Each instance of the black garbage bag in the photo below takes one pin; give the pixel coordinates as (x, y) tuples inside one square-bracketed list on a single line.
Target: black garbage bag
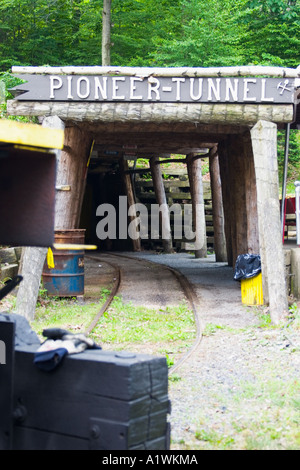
[(247, 266)]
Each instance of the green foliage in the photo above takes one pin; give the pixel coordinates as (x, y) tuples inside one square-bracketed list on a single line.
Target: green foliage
[(8, 81), (207, 36), (54, 32), (293, 155), (150, 32), (271, 32)]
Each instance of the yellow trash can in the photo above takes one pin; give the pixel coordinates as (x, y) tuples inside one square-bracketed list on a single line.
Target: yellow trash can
[(252, 291)]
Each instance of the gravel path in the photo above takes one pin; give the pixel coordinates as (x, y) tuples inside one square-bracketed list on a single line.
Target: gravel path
[(225, 392)]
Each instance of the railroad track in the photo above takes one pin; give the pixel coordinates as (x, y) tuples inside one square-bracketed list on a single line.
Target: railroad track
[(186, 286)]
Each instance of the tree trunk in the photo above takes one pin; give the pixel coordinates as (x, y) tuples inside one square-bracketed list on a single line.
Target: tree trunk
[(106, 27)]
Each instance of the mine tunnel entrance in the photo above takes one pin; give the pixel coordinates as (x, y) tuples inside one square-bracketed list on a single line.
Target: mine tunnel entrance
[(151, 172)]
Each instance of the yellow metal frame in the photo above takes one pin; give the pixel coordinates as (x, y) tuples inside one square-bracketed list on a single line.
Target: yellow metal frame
[(32, 135)]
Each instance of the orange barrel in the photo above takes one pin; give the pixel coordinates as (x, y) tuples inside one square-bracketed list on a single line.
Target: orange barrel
[(66, 279)]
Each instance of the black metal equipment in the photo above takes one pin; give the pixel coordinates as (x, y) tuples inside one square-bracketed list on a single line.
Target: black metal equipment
[(27, 196), (94, 400)]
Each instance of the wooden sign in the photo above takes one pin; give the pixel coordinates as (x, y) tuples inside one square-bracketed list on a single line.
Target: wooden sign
[(97, 88)]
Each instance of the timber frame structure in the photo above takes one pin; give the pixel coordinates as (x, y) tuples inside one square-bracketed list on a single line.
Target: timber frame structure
[(236, 130)]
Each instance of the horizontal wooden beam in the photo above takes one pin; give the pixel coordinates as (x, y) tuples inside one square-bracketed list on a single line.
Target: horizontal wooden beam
[(139, 171), (181, 160), (148, 144), (195, 113), (239, 71), (171, 160), (176, 127)]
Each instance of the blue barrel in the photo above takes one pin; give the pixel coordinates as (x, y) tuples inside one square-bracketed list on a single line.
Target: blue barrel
[(66, 279)]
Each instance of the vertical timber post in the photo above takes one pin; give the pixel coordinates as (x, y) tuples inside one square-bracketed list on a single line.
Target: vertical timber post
[(71, 171), (217, 206), (264, 143), (250, 196), (196, 189), (161, 199), (223, 155), (136, 241), (239, 196)]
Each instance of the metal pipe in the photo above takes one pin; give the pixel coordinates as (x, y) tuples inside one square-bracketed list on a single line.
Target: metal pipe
[(297, 185), (286, 158)]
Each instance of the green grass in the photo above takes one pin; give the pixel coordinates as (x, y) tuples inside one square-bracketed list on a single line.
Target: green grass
[(166, 331), (64, 313), (261, 414), (128, 323), (272, 420)]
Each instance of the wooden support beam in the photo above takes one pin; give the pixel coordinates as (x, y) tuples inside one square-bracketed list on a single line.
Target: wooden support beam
[(196, 189), (234, 71), (217, 206), (136, 242), (224, 161), (72, 171), (250, 195), (239, 196), (162, 201), (139, 171), (264, 143), (180, 160), (204, 113), (171, 160)]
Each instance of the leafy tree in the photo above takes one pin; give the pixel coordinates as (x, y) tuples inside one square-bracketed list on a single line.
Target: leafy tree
[(208, 36), (150, 32), (293, 169), (138, 25), (272, 32), (7, 81), (53, 32)]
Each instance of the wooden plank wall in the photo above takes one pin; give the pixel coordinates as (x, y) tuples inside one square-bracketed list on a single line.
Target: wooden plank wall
[(177, 188)]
